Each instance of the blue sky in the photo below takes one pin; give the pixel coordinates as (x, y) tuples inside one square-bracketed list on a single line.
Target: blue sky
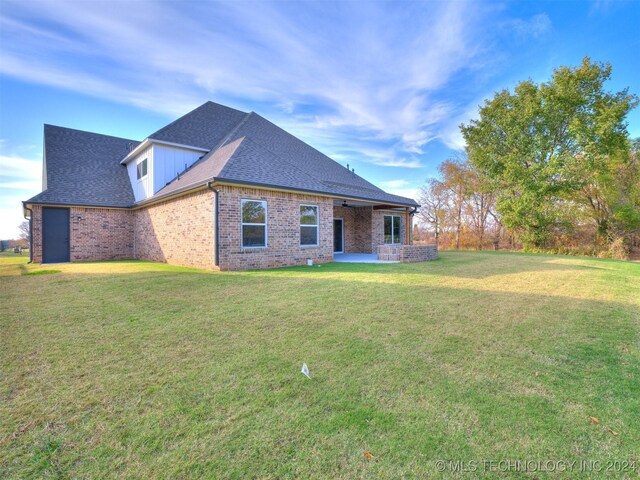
[(381, 86)]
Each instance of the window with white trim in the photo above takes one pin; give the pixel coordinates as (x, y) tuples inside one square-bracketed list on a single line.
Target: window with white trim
[(391, 229), (308, 225), (142, 169), (254, 223)]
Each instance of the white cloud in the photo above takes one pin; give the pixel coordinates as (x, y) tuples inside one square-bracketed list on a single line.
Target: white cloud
[(405, 192), (394, 183), (376, 70), (29, 185), (11, 216), (398, 162), (20, 179), (536, 27), (451, 135), (20, 168)]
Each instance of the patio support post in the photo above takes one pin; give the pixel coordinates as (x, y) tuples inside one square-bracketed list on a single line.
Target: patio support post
[(407, 227)]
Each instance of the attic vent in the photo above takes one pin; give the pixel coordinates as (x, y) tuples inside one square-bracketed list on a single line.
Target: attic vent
[(131, 146)]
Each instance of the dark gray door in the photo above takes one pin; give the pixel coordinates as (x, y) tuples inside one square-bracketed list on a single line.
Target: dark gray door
[(55, 235), (338, 236)]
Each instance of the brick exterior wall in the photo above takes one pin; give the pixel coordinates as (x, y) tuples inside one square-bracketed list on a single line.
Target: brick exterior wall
[(364, 227), (407, 253), (283, 230), (179, 231), (96, 234), (357, 228), (36, 233), (101, 234), (377, 230)]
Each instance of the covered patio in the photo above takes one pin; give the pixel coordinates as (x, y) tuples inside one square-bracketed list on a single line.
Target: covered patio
[(359, 227)]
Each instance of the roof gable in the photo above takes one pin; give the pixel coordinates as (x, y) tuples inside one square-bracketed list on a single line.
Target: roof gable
[(83, 168)]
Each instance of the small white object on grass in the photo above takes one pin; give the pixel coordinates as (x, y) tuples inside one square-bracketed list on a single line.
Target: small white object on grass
[(305, 370)]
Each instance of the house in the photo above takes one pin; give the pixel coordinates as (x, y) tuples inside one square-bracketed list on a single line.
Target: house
[(218, 189)]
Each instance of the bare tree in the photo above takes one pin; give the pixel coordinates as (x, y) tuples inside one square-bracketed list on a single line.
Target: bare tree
[(433, 201), (479, 205), (25, 232), (455, 180)]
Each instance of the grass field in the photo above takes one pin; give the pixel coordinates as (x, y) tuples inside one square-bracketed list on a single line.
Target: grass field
[(143, 370)]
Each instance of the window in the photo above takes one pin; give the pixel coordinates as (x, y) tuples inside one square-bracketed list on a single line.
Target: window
[(308, 225), (142, 169), (391, 229), (254, 223)]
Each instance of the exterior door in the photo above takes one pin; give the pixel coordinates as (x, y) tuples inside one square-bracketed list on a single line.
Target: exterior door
[(55, 235), (338, 235)]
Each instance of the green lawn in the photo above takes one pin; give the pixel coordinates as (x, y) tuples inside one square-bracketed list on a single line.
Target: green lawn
[(143, 370)]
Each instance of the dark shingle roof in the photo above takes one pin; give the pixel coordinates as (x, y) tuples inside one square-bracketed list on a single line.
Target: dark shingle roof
[(258, 152), (204, 127), (83, 168)]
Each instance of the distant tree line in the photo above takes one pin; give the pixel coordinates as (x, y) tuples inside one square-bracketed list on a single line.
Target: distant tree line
[(22, 241), (548, 167)]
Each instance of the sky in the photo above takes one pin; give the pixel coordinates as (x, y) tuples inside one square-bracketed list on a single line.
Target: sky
[(382, 86)]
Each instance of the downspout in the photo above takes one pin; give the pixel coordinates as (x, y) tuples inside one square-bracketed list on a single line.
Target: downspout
[(411, 213), (30, 231), (216, 230)]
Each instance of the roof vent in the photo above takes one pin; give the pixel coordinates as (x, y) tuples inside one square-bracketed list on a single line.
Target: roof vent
[(131, 146)]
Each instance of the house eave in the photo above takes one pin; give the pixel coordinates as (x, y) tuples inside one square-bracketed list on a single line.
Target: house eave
[(26, 203), (320, 193), (218, 181)]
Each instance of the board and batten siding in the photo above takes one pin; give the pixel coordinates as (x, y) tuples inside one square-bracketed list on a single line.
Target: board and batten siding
[(163, 165), (168, 162), (141, 188)]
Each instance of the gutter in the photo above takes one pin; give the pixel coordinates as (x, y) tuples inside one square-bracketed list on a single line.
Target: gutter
[(320, 193), (30, 218), (262, 186), (216, 231)]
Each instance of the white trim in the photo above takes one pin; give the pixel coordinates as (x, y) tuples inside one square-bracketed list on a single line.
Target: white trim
[(399, 233), (341, 221), (317, 225), (150, 141), (139, 162), (242, 224)]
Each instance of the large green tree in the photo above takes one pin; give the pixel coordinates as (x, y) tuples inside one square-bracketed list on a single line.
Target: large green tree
[(535, 143), (610, 193)]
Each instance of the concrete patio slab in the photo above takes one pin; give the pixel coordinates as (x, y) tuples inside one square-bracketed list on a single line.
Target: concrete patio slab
[(358, 258)]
